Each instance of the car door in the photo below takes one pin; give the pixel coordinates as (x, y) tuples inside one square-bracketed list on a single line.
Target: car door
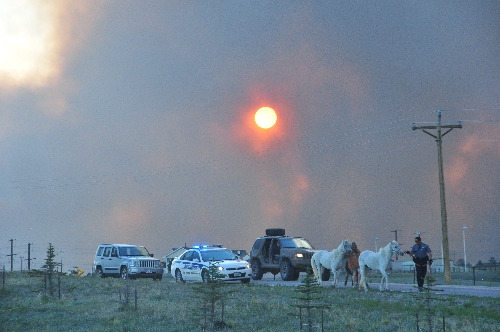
[(106, 260), (185, 265), (196, 266), (114, 261)]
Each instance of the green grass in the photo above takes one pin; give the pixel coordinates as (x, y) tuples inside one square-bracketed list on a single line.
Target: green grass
[(92, 304)]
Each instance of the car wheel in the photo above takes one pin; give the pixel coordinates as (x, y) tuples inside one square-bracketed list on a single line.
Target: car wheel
[(256, 270), (245, 281), (287, 270), (124, 273), (326, 275), (178, 276), (296, 276), (99, 273)]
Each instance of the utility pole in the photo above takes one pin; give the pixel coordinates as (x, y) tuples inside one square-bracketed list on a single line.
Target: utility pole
[(29, 256), (396, 237), (11, 255), (444, 222)]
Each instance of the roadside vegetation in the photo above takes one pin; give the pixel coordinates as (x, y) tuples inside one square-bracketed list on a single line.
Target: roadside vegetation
[(93, 304)]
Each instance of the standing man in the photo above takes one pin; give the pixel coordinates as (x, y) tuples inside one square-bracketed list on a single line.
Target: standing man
[(421, 254)]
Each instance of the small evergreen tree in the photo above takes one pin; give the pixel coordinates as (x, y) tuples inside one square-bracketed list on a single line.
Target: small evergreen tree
[(50, 267), (212, 293), (426, 296), (310, 296)]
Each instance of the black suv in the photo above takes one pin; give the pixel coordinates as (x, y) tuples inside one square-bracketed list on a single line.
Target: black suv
[(277, 253)]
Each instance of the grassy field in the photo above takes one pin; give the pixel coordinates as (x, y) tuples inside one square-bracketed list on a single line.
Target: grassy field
[(92, 304)]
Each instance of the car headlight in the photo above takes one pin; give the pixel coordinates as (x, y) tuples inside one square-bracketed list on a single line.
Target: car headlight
[(132, 263), (299, 255), (248, 266), (220, 268), (157, 264)]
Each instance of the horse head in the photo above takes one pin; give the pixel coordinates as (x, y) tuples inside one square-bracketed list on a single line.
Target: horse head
[(346, 246), (395, 248)]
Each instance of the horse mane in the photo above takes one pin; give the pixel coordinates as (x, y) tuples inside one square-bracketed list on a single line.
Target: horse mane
[(386, 251)]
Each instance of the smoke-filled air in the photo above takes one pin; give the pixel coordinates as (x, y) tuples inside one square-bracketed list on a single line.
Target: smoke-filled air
[(135, 122)]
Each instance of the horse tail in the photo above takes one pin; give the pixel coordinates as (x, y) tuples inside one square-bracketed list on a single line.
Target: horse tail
[(315, 266)]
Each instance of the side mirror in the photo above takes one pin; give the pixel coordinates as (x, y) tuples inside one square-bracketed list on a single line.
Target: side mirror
[(151, 255)]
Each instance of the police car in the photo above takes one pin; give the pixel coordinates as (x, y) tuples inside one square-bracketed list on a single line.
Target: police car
[(194, 263)]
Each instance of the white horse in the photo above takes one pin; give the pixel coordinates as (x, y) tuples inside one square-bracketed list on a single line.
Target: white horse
[(378, 261), (324, 259)]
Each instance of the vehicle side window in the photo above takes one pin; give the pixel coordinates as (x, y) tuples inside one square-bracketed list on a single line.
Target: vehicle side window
[(188, 256), (125, 251), (107, 251), (196, 256), (99, 251), (257, 244), (114, 252)]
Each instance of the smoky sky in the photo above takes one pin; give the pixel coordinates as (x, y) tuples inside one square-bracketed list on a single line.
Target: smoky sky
[(143, 133)]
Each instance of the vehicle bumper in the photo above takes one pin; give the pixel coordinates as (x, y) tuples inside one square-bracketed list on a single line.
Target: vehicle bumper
[(236, 275), (142, 272)]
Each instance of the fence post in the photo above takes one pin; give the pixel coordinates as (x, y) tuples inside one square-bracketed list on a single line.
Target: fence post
[(300, 317), (322, 320), (59, 284), (135, 298), (474, 274)]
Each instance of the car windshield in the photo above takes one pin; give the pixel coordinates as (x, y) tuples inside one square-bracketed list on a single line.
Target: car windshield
[(217, 255), (133, 251), (295, 243)]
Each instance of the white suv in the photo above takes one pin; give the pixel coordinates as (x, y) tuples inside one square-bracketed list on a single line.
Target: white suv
[(127, 261)]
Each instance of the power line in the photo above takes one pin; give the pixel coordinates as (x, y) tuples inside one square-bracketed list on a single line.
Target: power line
[(472, 110)]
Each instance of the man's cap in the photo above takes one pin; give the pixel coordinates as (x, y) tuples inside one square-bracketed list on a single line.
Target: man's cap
[(418, 238)]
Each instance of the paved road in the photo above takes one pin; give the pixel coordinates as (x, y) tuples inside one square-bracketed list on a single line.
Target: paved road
[(481, 291)]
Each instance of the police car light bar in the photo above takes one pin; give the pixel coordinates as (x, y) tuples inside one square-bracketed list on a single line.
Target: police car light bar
[(208, 246)]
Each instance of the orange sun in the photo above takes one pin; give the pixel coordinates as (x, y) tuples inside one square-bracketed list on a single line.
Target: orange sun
[(265, 117)]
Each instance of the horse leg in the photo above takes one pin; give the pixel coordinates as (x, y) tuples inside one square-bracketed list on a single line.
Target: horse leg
[(321, 270), (384, 276)]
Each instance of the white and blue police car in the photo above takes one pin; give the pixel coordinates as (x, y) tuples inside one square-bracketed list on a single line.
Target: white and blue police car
[(193, 265)]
